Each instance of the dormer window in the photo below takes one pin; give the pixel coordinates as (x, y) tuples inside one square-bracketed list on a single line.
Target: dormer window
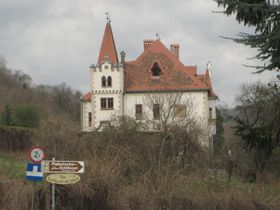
[(103, 81), (109, 81), (156, 70)]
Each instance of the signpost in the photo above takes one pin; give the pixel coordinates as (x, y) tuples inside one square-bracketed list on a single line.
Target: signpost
[(63, 178), (34, 170), (61, 172), (71, 167), (36, 154), (53, 193)]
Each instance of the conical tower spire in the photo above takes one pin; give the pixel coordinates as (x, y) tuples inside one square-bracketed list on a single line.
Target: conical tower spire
[(108, 47)]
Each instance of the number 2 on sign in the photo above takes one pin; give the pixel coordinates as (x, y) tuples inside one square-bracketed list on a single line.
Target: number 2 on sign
[(36, 154)]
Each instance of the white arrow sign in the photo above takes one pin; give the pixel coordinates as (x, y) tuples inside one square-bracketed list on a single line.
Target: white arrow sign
[(62, 166)]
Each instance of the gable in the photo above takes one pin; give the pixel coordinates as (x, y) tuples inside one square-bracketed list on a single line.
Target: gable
[(86, 97)]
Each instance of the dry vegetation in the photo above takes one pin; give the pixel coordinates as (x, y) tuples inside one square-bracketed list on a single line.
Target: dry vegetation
[(124, 167), (127, 169)]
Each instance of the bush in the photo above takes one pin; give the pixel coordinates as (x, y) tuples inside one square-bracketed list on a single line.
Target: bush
[(26, 115), (127, 169), (7, 116), (15, 139)]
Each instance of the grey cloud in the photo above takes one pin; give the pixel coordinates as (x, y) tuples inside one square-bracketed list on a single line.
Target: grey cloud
[(56, 40)]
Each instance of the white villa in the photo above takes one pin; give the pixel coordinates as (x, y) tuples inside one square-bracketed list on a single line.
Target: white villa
[(119, 87)]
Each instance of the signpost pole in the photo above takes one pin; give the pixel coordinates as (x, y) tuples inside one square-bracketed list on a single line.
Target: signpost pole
[(53, 194), (33, 196), (34, 170)]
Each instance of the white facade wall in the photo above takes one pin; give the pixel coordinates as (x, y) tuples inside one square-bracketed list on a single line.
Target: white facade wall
[(115, 91), (198, 101), (86, 109), (107, 69), (212, 105), (106, 114), (212, 120)]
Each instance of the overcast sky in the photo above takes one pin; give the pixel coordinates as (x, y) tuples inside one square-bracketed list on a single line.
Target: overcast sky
[(55, 41)]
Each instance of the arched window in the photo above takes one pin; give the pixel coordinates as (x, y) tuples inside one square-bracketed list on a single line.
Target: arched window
[(156, 70), (103, 81), (109, 81)]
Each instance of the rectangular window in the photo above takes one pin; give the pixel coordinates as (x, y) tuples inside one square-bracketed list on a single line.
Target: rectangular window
[(110, 103), (89, 119), (210, 113), (107, 103), (180, 110), (138, 111), (103, 103), (156, 111)]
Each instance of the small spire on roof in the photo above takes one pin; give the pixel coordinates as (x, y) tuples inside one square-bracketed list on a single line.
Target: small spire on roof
[(209, 65), (107, 13), (157, 36), (209, 69)]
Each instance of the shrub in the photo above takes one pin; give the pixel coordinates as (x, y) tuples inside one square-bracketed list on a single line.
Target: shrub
[(7, 116), (26, 115)]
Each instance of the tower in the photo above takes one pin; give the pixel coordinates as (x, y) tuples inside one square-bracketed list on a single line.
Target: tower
[(107, 78)]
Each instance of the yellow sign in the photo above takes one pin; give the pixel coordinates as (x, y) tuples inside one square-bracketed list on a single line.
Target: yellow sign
[(63, 178)]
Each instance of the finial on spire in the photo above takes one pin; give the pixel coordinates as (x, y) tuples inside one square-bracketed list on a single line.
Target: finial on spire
[(107, 13)]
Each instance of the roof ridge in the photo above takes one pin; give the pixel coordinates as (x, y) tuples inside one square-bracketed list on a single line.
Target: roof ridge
[(152, 47)]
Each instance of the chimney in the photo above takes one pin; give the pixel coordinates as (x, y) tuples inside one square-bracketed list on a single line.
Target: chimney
[(122, 56), (148, 43), (174, 48)]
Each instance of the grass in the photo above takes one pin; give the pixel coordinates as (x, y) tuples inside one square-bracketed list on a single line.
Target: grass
[(12, 167)]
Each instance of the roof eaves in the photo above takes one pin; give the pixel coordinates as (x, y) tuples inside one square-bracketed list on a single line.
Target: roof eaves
[(168, 90)]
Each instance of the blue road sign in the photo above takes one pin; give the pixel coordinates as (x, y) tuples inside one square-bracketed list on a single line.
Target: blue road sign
[(34, 172)]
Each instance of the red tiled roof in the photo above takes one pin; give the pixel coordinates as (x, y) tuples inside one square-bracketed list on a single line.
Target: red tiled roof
[(174, 75), (108, 47), (191, 69), (87, 97)]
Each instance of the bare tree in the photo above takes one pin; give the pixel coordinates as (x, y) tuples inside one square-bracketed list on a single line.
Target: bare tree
[(173, 116), (169, 110), (67, 99), (22, 79)]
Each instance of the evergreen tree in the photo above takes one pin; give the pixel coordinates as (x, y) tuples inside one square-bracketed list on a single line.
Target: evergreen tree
[(258, 115), (257, 118), (7, 116), (264, 16)]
